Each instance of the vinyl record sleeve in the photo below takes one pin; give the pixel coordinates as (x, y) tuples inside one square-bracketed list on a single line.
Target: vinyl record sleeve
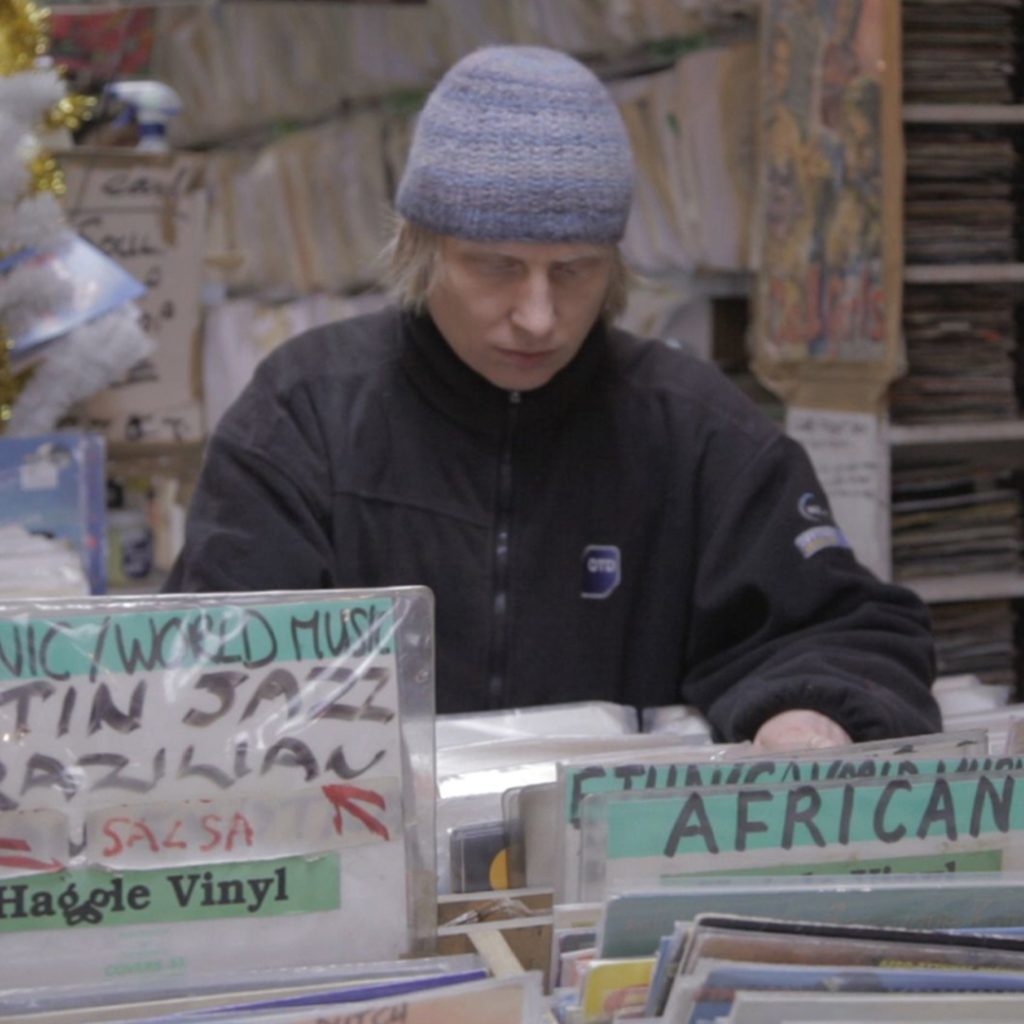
[(513, 1000), (633, 923), (754, 940), (708, 993), (851, 1007)]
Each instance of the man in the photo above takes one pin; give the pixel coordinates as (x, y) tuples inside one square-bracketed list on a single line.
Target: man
[(599, 517)]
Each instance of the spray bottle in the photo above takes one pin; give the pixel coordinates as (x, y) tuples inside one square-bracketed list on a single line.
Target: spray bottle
[(153, 104)]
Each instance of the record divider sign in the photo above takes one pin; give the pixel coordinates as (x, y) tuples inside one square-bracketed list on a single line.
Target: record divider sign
[(174, 771)]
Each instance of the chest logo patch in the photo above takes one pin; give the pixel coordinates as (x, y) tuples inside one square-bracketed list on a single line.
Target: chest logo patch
[(602, 570)]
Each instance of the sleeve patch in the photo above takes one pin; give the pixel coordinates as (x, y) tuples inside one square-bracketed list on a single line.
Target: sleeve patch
[(811, 541)]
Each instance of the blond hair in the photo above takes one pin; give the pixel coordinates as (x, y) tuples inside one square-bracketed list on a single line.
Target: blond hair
[(411, 266)]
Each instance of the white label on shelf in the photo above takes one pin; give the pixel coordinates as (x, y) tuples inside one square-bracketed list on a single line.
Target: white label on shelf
[(40, 475)]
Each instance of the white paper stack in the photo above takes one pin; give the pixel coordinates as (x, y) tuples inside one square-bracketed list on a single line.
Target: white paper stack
[(308, 212), (238, 333), (692, 130), (249, 67)]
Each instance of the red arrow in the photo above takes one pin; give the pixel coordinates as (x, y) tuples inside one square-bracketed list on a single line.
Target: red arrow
[(342, 795), (17, 861)]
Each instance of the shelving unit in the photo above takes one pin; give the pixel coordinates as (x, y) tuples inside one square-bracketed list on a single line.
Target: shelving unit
[(931, 436), (976, 459), (963, 113), (988, 586), (999, 438), (964, 273)]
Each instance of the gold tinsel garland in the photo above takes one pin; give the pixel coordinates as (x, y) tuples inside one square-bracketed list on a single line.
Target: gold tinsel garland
[(70, 112), (23, 35), (8, 383), (24, 38), (46, 174)]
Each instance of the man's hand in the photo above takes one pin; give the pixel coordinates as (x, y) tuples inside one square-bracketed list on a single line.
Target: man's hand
[(799, 730)]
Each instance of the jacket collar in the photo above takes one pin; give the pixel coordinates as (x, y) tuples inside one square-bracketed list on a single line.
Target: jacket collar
[(461, 394)]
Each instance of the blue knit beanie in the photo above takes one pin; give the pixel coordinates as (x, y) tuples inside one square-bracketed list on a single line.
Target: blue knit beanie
[(519, 143)]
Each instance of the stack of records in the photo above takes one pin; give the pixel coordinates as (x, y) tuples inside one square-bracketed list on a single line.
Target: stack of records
[(976, 638), (954, 517), (960, 344), (957, 52), (959, 203)]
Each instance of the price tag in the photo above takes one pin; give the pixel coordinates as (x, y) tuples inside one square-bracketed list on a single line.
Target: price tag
[(39, 475)]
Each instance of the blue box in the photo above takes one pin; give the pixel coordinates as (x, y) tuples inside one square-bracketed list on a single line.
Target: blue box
[(55, 485)]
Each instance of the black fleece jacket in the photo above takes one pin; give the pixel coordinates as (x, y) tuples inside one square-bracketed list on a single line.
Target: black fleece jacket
[(633, 531)]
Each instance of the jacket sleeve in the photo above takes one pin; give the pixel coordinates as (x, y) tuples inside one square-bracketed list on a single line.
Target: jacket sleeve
[(785, 617), (259, 518)]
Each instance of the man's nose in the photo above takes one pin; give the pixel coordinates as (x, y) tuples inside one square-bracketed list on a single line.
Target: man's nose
[(534, 310)]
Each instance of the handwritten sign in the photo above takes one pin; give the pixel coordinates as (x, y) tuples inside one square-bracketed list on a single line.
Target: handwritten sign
[(946, 752), (218, 759), (236, 698), (940, 822), (851, 457), (331, 816), (147, 212), (585, 779)]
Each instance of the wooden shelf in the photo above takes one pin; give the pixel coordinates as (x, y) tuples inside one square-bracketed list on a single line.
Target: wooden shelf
[(171, 458), (930, 434), (702, 281), (724, 283), (963, 113), (964, 273), (982, 586)]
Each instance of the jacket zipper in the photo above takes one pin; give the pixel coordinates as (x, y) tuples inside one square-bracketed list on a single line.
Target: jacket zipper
[(503, 524)]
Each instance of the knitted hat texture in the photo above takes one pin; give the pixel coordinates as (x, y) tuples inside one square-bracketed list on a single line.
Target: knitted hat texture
[(519, 143)]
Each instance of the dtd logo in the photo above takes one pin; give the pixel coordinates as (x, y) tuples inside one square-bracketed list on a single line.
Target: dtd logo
[(602, 570)]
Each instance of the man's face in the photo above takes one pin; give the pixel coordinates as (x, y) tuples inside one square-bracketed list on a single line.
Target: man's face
[(517, 312)]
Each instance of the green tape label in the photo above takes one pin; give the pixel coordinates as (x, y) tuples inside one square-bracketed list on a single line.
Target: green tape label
[(924, 864), (239, 636), (92, 896)]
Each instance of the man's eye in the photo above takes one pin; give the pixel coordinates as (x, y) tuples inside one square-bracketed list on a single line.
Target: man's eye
[(570, 271), (496, 267)]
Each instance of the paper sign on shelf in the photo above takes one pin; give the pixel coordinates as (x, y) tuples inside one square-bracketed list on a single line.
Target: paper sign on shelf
[(851, 457), (147, 212)]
